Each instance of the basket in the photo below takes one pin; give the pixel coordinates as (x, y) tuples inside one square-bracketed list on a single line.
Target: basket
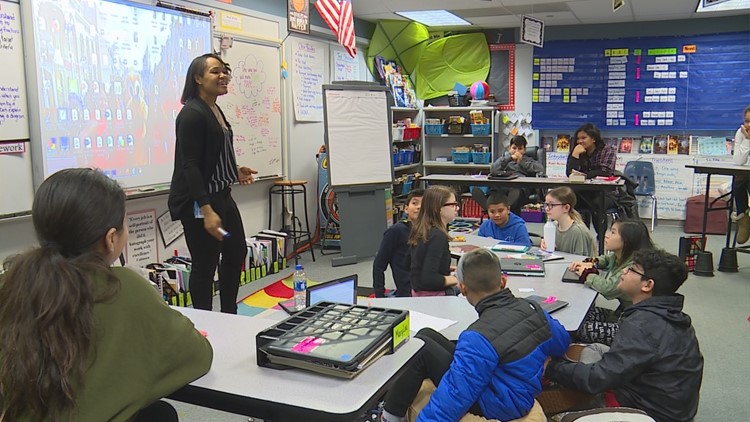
[(455, 128), (481, 157), (407, 156), (532, 216), (412, 133), (398, 133), (432, 129), (480, 129), (456, 100), (396, 159), (461, 157)]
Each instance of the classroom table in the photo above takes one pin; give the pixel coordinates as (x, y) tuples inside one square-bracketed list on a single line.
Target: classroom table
[(237, 384), (538, 183), (726, 169)]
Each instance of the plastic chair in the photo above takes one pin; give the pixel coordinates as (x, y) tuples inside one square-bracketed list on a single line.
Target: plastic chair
[(642, 172)]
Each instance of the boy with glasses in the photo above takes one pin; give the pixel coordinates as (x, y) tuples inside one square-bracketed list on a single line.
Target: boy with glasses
[(654, 363)]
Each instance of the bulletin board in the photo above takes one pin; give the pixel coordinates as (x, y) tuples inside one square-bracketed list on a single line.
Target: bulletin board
[(678, 83)]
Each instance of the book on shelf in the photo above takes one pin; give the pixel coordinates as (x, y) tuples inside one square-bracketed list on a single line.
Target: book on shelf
[(563, 142), (626, 146), (660, 144), (646, 145)]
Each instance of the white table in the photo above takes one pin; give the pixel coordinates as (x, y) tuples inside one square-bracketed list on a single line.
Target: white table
[(237, 384), (578, 296)]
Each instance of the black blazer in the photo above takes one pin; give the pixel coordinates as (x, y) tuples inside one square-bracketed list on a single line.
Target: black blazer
[(199, 141)]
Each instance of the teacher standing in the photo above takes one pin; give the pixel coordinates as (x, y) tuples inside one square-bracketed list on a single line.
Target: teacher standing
[(200, 196)]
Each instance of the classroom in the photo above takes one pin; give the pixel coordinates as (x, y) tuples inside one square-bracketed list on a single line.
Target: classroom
[(338, 129)]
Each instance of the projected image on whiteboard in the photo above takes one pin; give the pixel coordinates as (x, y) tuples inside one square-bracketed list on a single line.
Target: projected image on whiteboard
[(110, 76)]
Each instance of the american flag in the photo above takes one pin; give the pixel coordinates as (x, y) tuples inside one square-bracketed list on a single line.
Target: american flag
[(340, 18)]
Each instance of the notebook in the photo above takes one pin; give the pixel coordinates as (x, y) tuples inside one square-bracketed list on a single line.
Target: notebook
[(527, 267), (547, 304), (340, 290), (572, 277)]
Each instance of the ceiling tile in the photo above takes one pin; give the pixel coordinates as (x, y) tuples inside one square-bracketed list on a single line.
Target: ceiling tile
[(363, 7), (662, 7), (600, 10)]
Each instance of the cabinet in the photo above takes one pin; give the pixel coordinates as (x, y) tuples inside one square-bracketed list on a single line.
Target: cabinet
[(438, 142), (407, 142)]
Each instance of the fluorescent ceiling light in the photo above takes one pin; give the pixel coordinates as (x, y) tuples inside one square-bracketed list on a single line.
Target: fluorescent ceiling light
[(722, 5), (434, 18)]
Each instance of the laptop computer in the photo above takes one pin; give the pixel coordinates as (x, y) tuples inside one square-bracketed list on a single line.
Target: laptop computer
[(522, 266), (549, 306), (340, 290), (572, 277)]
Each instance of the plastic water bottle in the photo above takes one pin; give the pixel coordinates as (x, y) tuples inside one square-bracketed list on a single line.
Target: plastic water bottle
[(300, 287), (550, 230)]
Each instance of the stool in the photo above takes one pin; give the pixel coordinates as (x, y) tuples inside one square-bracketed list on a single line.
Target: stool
[(291, 188)]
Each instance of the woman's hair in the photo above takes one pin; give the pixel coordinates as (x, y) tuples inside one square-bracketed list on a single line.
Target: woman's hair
[(593, 132), (635, 237), (433, 201), (47, 295), (196, 69), (566, 196)]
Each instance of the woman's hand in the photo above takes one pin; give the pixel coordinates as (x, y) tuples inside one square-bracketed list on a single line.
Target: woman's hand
[(745, 130), (580, 265), (211, 222), (246, 175), (578, 150), (451, 280)]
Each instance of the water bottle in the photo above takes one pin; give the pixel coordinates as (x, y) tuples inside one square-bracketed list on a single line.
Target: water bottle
[(300, 287), (550, 230)]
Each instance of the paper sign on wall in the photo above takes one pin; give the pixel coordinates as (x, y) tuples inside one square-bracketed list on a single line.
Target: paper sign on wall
[(142, 245)]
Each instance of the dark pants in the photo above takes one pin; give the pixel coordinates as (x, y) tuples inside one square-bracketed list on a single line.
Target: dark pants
[(587, 203), (741, 188), (159, 411), (432, 362), (205, 251)]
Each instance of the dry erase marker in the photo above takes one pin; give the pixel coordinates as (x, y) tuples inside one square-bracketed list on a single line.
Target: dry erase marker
[(225, 234)]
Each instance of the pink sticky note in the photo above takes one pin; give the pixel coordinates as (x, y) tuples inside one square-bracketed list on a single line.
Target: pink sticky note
[(534, 267), (638, 73), (550, 299), (637, 120), (308, 344), (637, 96), (204, 333)]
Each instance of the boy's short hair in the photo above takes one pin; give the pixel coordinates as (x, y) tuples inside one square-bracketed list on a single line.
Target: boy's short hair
[(667, 270), (414, 193), (480, 271), (519, 141), (497, 198)]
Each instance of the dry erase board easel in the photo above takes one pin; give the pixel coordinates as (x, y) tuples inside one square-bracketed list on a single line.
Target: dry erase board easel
[(357, 136), (16, 183), (253, 105)]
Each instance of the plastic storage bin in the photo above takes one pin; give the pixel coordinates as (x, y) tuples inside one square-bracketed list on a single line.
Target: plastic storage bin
[(396, 159), (432, 129), (407, 157), (398, 133), (412, 133), (481, 157), (461, 157), (480, 130)]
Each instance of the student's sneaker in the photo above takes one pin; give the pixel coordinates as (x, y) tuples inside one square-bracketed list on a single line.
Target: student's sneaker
[(373, 415), (743, 228)]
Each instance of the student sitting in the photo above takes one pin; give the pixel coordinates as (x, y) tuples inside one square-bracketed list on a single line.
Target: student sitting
[(621, 241), (394, 250), (572, 235), (503, 225), (654, 363), (79, 340), (516, 160), (495, 369), (430, 253)]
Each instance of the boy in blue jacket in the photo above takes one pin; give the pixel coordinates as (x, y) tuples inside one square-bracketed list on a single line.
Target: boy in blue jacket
[(495, 369), (503, 224), (395, 251)]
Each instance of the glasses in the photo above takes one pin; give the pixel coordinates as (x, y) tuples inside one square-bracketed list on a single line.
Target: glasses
[(451, 204), (547, 205), (630, 269)]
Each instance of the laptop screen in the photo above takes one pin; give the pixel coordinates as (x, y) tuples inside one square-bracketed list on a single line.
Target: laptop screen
[(343, 290)]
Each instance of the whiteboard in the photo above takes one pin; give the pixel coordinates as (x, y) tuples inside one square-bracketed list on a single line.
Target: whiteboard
[(357, 138), (253, 106), (16, 187)]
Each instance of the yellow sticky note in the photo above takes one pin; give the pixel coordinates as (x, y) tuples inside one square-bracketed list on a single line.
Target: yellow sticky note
[(536, 76), (535, 98), (566, 99), (401, 332), (283, 64), (506, 119), (537, 61), (566, 91)]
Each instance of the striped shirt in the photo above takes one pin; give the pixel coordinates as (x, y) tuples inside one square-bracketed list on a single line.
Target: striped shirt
[(225, 172)]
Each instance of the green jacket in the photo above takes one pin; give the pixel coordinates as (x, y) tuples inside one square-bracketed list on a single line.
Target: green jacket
[(143, 351), (607, 285)]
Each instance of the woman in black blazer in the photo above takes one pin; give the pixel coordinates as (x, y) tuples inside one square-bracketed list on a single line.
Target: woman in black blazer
[(200, 195)]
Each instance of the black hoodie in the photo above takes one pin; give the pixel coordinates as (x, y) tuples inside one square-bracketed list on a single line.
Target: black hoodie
[(654, 363)]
